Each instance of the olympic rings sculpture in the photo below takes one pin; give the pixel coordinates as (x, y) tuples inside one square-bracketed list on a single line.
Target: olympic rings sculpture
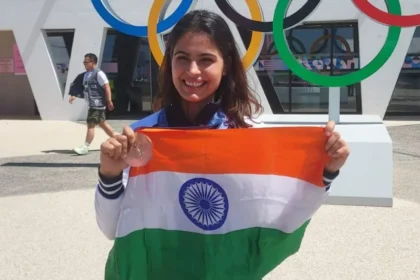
[(157, 25)]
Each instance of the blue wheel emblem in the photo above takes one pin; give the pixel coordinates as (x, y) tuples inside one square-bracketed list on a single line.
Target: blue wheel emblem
[(204, 202), (109, 16)]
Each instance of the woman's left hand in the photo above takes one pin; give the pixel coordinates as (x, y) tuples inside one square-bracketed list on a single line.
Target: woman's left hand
[(336, 148)]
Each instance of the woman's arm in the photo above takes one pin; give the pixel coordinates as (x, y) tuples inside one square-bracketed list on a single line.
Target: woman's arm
[(110, 190), (329, 178), (109, 195)]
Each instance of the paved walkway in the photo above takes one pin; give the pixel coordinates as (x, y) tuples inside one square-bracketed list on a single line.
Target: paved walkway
[(48, 229)]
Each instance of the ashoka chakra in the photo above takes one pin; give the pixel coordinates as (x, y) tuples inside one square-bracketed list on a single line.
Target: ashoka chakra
[(204, 202)]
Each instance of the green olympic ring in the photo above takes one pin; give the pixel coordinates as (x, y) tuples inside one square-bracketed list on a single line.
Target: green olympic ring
[(315, 78)]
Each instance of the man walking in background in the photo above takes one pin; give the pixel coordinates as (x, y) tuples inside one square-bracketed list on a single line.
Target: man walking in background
[(94, 88)]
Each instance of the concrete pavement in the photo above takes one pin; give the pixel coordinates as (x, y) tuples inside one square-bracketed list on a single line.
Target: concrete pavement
[(48, 229)]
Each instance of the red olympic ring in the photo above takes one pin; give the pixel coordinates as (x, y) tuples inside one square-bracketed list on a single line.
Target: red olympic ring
[(385, 18)]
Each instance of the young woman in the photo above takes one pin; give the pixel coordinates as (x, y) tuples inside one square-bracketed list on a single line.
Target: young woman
[(202, 83)]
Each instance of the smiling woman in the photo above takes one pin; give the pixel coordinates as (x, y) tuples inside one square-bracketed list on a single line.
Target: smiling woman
[(197, 67), (201, 64), (204, 89)]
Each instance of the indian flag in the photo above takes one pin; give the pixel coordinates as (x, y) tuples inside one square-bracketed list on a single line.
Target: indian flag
[(218, 204)]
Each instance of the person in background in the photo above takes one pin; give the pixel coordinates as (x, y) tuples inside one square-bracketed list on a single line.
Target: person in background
[(97, 93)]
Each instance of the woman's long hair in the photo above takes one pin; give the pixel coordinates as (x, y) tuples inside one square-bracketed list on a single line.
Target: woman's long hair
[(236, 98)]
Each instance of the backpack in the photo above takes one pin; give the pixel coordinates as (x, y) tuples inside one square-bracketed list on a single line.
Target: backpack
[(76, 87)]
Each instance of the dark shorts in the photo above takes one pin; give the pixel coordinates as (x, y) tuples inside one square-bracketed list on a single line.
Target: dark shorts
[(95, 116)]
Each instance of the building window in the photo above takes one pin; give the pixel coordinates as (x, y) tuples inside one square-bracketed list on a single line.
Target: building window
[(329, 49), (405, 99), (132, 73), (415, 43), (406, 96), (60, 44)]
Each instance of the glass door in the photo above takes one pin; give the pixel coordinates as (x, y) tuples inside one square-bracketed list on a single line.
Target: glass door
[(127, 62)]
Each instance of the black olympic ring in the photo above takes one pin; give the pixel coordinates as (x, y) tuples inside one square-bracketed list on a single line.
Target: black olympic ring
[(266, 27)]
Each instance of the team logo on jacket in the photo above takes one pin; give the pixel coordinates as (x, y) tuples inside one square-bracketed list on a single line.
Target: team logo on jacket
[(204, 202)]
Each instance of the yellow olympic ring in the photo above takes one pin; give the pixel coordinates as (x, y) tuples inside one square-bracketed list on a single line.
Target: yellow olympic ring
[(247, 60), (256, 37), (329, 36), (152, 35)]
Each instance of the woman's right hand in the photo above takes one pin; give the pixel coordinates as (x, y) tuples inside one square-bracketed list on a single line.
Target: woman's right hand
[(71, 99), (114, 151)]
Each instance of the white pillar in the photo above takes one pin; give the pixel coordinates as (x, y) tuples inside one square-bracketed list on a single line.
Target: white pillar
[(334, 104)]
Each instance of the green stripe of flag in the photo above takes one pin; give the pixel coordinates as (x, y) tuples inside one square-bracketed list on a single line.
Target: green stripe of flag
[(156, 254)]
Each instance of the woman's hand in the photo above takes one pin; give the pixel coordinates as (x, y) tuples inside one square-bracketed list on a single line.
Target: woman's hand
[(114, 151), (336, 148)]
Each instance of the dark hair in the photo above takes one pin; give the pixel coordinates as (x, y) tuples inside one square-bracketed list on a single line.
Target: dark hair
[(236, 99), (92, 57)]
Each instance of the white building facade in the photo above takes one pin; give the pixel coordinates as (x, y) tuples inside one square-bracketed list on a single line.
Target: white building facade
[(43, 43)]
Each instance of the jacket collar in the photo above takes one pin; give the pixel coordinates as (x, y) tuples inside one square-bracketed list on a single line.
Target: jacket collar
[(211, 115)]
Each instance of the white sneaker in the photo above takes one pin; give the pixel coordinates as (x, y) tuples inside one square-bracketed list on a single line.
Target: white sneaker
[(82, 150)]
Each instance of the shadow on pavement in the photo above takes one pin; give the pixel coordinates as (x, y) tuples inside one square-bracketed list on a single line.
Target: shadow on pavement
[(66, 152), (407, 154), (49, 164)]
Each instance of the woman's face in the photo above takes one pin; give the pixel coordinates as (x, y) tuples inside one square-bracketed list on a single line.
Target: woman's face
[(197, 67)]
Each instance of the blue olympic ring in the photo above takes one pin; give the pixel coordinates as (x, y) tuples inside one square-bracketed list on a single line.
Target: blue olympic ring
[(110, 17)]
